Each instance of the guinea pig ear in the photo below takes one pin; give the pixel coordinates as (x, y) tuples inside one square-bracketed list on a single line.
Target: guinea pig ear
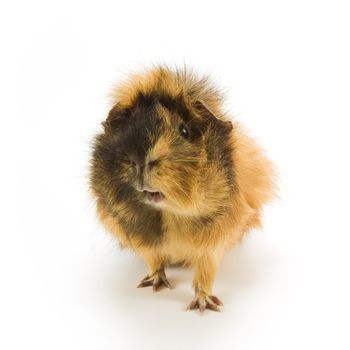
[(112, 117), (208, 114)]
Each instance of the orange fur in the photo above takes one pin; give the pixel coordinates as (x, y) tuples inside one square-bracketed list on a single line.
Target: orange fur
[(195, 192)]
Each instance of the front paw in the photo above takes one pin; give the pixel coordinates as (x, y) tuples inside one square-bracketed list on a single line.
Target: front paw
[(204, 301), (158, 280)]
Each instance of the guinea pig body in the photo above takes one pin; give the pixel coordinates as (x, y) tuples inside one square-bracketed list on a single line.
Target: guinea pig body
[(174, 179)]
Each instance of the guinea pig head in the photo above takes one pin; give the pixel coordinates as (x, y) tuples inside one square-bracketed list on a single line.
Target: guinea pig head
[(166, 154)]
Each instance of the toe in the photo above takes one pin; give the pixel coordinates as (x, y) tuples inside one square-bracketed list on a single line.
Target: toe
[(193, 305), (166, 283), (211, 305), (202, 305), (216, 300), (146, 283), (202, 302), (157, 280), (159, 283)]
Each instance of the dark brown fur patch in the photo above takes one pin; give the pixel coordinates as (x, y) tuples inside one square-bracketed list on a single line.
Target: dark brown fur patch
[(112, 153)]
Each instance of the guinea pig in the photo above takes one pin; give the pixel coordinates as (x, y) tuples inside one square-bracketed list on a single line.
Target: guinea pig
[(175, 179)]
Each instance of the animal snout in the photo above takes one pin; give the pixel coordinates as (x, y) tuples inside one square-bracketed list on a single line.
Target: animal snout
[(141, 170)]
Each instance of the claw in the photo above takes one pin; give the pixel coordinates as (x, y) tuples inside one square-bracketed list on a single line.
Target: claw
[(203, 301), (157, 280), (216, 300), (146, 278), (145, 283)]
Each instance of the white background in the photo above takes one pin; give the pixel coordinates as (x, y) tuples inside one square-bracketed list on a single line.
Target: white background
[(65, 284)]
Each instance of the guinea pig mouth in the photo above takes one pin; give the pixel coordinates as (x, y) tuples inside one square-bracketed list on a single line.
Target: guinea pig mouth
[(154, 197)]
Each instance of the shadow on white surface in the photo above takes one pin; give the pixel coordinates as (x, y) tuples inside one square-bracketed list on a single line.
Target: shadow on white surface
[(160, 318)]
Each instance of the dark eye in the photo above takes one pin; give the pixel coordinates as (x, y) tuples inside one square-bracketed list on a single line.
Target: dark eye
[(183, 131)]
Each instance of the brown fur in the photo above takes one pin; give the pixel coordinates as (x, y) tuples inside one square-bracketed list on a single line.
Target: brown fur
[(195, 192)]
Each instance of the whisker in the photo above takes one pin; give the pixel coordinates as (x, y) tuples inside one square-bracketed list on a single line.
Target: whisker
[(180, 188)]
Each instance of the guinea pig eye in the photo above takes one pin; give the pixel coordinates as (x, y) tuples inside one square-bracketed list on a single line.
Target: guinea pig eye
[(183, 131)]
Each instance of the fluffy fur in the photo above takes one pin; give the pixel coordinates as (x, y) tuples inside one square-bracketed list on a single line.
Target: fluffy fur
[(167, 133)]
